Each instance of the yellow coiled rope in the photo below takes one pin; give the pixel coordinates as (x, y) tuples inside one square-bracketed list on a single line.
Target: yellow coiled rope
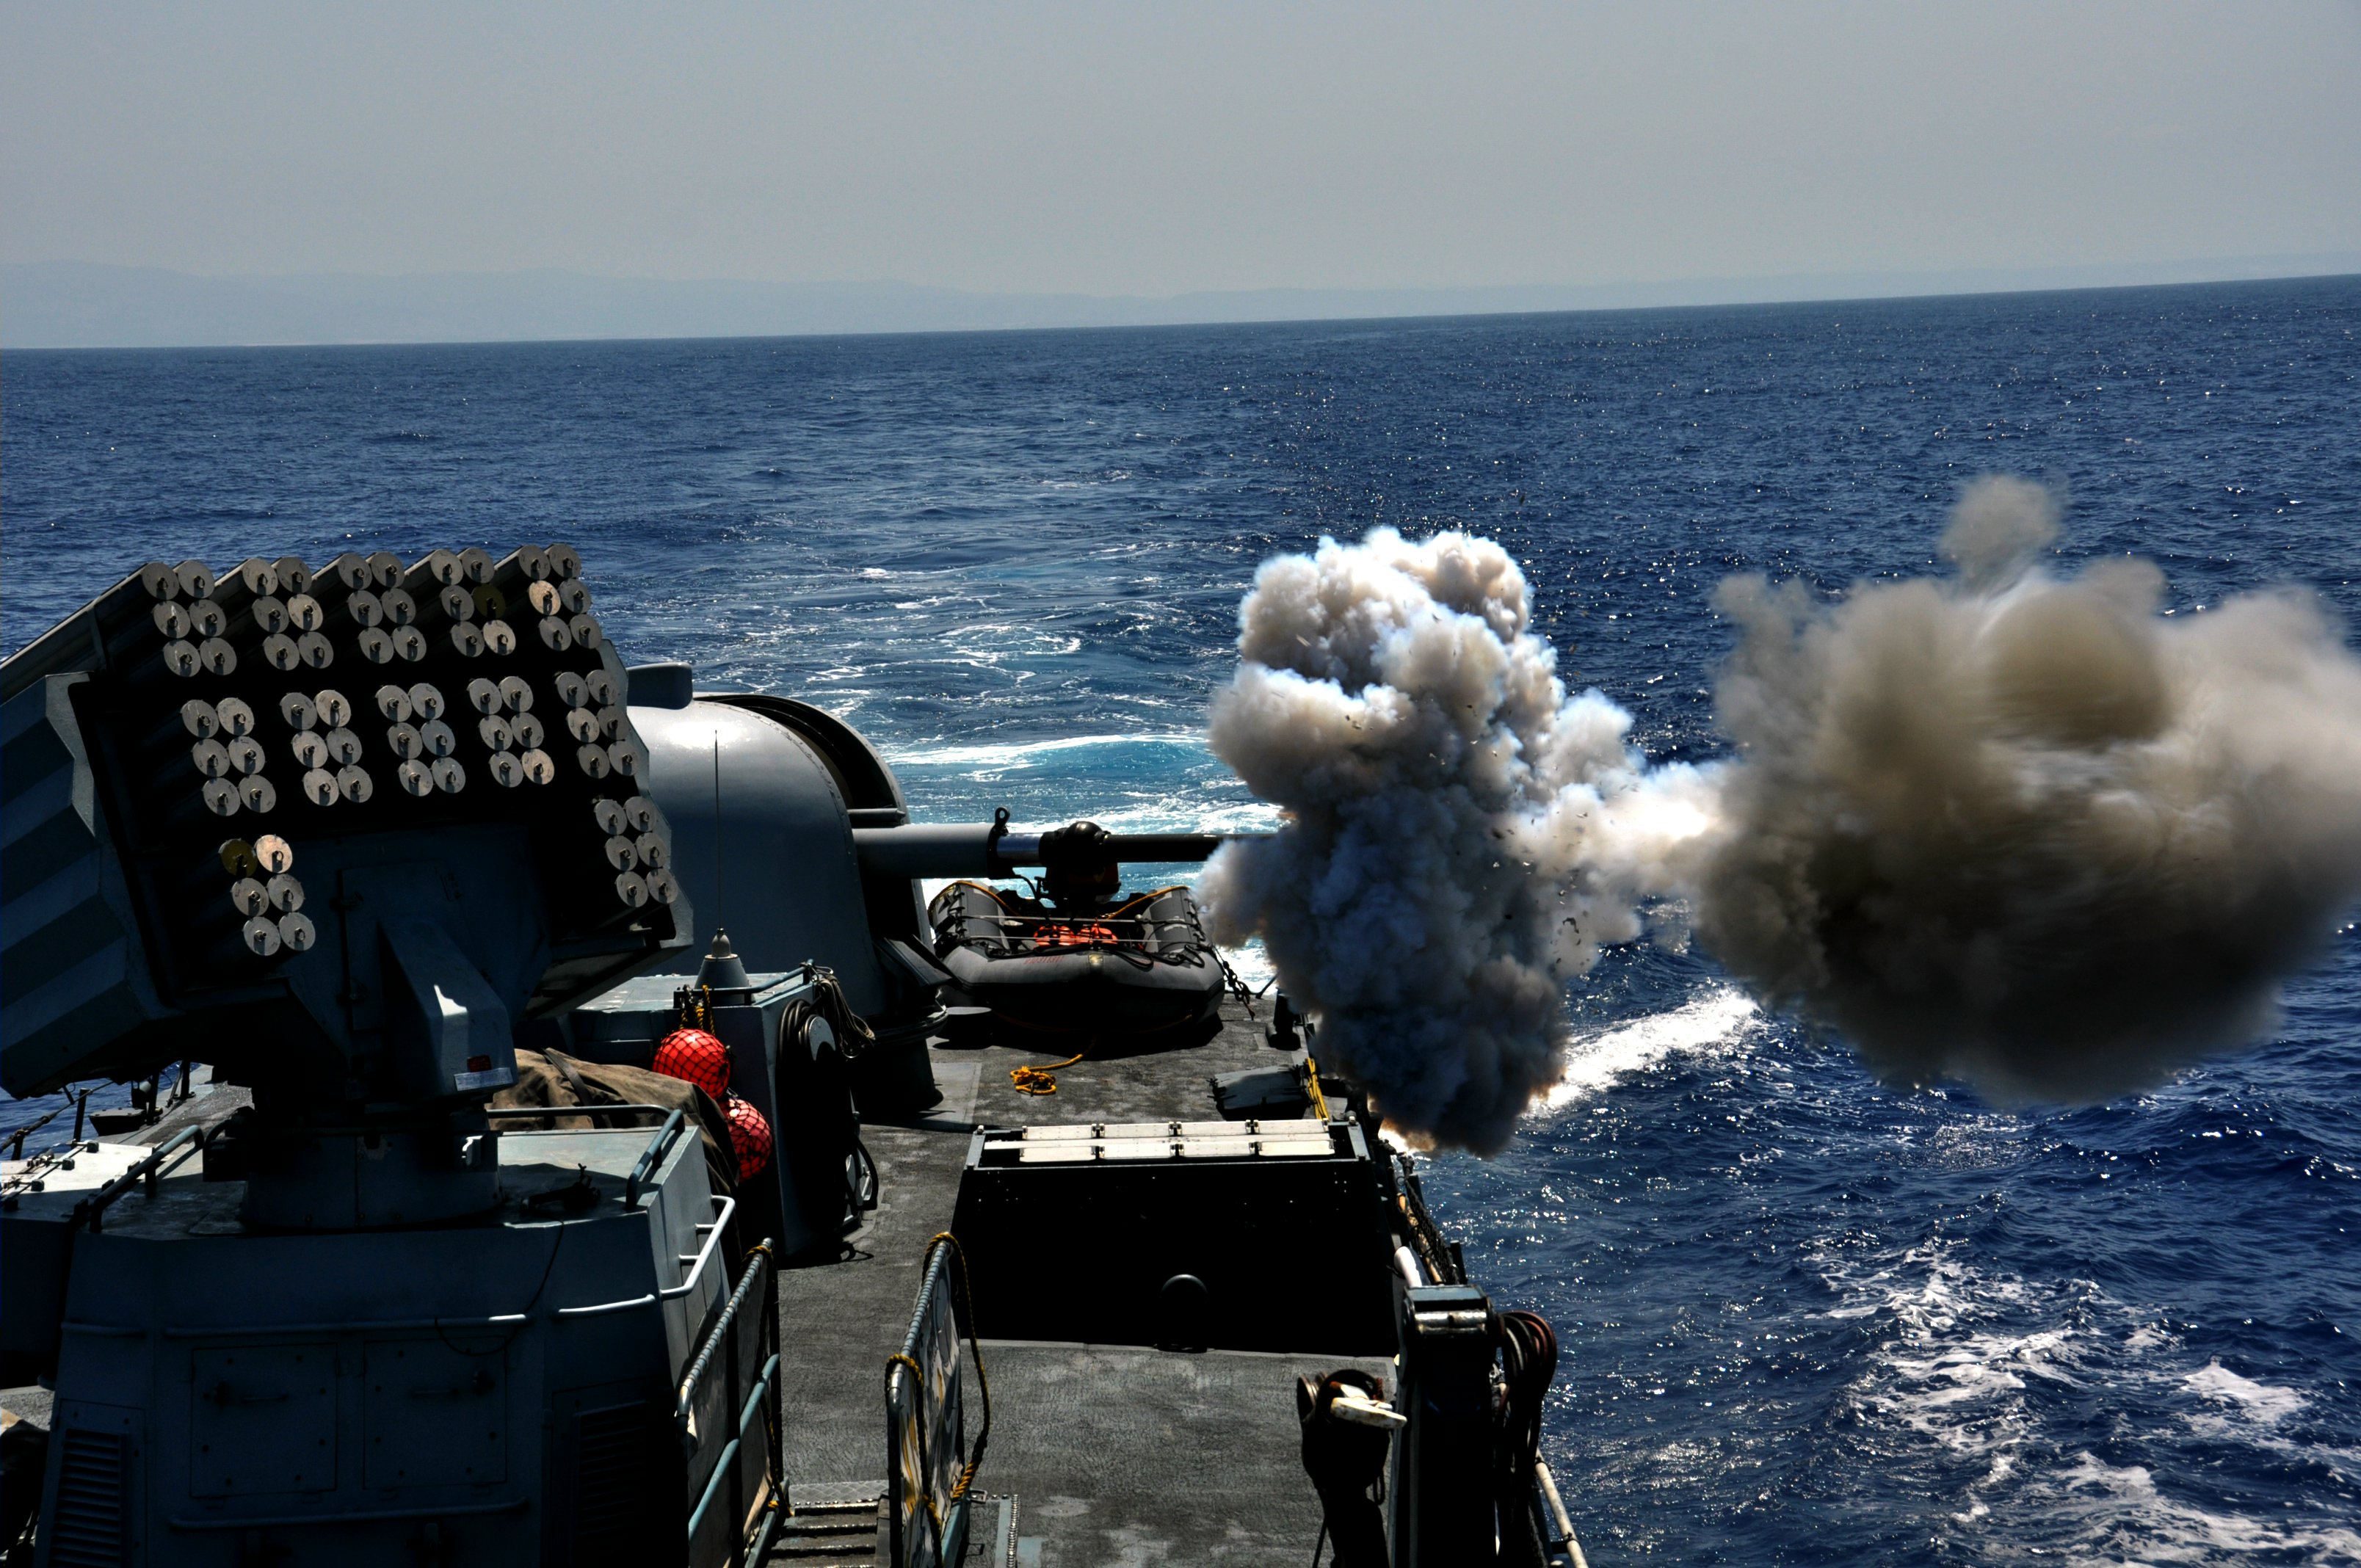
[(1042, 1080)]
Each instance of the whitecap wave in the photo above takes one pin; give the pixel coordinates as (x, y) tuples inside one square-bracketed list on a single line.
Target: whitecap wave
[(1955, 1378), (1030, 753), (1718, 1020), (1171, 813), (2260, 1402), (2122, 1516)]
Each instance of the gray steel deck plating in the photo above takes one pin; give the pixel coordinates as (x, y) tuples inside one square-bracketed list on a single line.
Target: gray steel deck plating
[(1116, 1455)]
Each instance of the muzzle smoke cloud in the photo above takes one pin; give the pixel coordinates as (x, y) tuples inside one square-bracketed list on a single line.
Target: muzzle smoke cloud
[(1997, 826), (1461, 836)]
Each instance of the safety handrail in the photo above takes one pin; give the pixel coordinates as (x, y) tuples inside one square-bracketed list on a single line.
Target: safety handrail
[(592, 1111), (147, 1171), (696, 1368), (1562, 1540), (705, 1253), (724, 1468), (603, 1309), (726, 1482), (650, 1297), (341, 1326), (949, 1531), (1434, 1249), (14, 1137), (512, 1111), (653, 1156)]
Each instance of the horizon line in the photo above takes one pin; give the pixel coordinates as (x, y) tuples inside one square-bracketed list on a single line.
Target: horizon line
[(656, 298)]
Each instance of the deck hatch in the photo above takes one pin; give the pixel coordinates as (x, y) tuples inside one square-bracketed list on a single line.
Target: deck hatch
[(434, 1414), (263, 1419), (1131, 1142), (1264, 1235)]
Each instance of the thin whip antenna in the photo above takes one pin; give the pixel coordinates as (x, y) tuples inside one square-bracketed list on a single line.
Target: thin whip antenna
[(716, 831)]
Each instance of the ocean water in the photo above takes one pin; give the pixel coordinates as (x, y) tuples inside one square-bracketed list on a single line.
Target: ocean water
[(1805, 1319)]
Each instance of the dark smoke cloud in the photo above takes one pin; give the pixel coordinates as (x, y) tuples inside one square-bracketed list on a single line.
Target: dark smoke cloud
[(1999, 827), (2027, 832)]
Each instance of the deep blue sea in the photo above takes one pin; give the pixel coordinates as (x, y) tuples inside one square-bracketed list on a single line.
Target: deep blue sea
[(1805, 1319)]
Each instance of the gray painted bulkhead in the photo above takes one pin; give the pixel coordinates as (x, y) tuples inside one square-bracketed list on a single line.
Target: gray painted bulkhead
[(788, 887), (363, 1396)]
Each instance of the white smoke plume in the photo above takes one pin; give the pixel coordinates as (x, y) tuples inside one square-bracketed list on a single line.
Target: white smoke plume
[(1460, 838), (1998, 827)]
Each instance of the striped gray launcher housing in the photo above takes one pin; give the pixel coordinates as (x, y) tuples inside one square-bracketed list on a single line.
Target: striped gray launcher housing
[(69, 972), (168, 750)]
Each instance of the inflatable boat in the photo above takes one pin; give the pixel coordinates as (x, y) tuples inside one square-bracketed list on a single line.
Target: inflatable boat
[(1131, 965)]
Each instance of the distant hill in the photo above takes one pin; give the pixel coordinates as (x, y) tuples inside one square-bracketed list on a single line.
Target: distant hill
[(71, 304)]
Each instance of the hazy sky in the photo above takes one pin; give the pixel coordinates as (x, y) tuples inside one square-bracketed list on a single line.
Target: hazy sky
[(1119, 148)]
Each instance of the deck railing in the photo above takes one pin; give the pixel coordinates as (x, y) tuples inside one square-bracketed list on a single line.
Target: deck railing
[(928, 1463), (737, 1497)]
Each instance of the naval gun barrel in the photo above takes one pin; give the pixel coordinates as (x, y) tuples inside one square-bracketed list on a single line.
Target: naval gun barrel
[(989, 850)]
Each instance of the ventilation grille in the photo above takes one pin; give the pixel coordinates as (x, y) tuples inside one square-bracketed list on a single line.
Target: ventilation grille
[(86, 1531), (609, 1486)]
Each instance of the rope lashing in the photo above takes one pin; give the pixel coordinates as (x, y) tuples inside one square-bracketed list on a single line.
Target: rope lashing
[(926, 1495), (976, 1349), (966, 1306), (1042, 1079)]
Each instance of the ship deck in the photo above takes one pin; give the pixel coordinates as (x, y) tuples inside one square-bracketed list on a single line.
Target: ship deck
[(1105, 1453), (1114, 1453)]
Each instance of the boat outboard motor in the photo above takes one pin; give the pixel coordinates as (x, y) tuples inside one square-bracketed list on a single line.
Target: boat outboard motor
[(342, 835), (1081, 957), (1080, 868)]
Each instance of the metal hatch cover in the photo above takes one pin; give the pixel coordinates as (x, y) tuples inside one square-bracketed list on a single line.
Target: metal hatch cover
[(434, 1414), (262, 1418)]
